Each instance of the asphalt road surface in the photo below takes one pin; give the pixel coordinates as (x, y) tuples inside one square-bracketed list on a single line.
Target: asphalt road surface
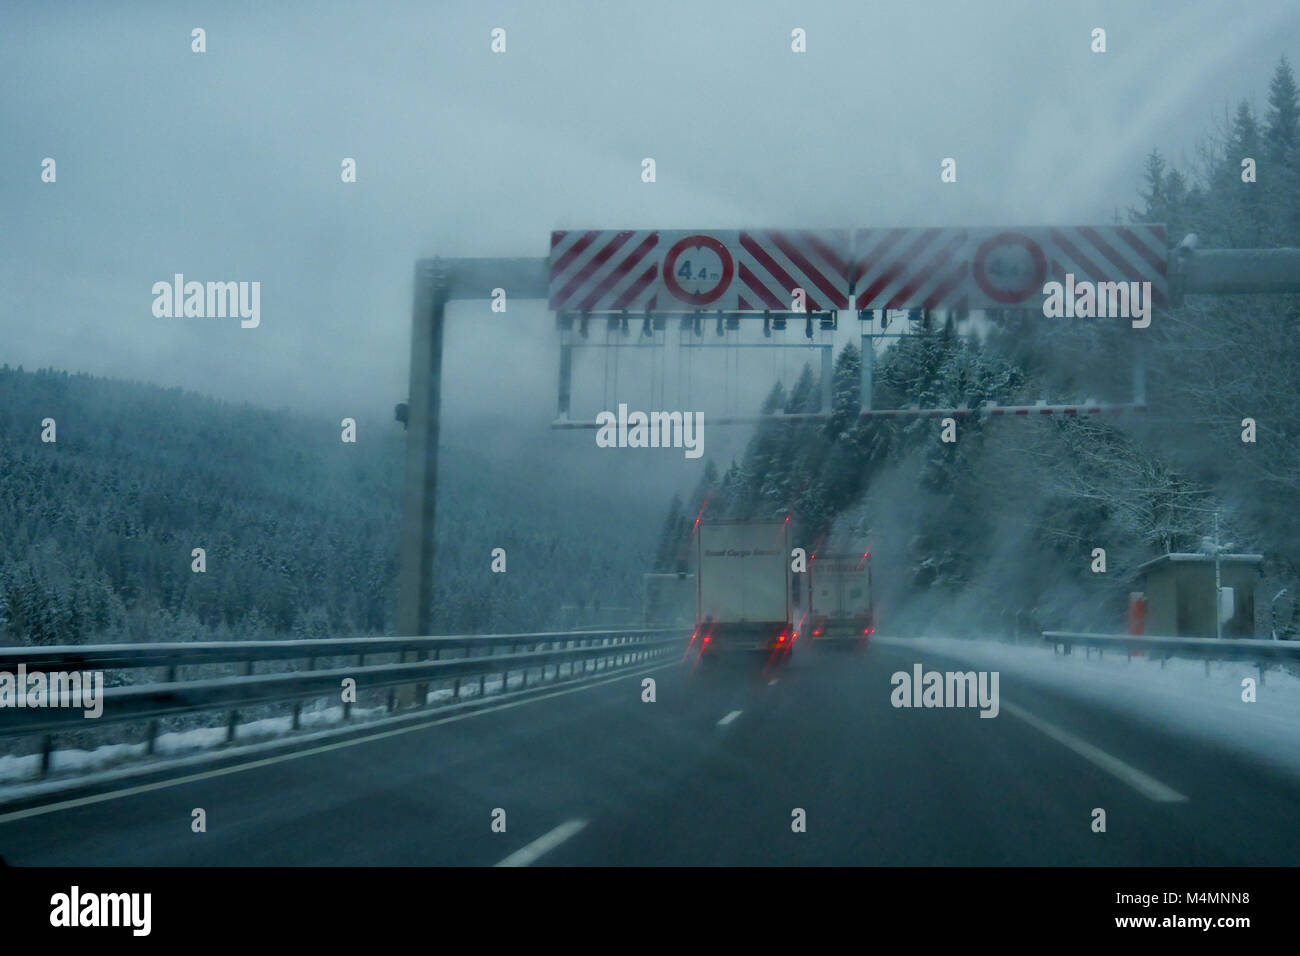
[(711, 774)]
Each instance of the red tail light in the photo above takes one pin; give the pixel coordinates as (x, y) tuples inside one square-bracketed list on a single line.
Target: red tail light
[(817, 633), (781, 639)]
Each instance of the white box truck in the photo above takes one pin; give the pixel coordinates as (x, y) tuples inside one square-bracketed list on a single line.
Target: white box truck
[(743, 577), (840, 606)]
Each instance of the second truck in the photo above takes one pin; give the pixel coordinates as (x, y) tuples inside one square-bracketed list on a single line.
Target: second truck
[(840, 605)]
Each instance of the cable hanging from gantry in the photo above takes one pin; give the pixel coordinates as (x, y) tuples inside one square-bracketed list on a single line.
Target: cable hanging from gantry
[(618, 325)]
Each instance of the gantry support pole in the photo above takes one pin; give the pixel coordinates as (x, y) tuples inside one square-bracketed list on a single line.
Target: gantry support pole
[(420, 494), (437, 282)]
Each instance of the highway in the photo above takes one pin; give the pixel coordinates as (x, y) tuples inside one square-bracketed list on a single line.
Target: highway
[(709, 774)]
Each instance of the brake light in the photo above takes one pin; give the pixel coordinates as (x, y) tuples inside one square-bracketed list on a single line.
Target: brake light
[(781, 639)]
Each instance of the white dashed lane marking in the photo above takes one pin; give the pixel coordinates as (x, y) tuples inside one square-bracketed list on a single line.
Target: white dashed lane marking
[(543, 844)]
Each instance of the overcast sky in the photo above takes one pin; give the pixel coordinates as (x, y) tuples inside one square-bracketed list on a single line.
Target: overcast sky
[(225, 165)]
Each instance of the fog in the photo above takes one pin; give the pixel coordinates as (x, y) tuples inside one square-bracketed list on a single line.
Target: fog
[(226, 165)]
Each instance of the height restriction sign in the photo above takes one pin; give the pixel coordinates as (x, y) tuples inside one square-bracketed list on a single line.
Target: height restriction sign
[(713, 269), (956, 268), (1009, 268), (698, 270)]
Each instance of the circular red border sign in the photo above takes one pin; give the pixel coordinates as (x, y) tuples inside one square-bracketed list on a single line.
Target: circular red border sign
[(1009, 296), (670, 266)]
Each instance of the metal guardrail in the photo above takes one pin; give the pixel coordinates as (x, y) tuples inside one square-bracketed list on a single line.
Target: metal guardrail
[(183, 654), (478, 657), (1199, 648)]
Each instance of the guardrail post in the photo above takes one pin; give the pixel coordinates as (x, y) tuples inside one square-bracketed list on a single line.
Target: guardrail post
[(47, 753), (152, 740), (1260, 665), (421, 689), (392, 699), (232, 719), (297, 714), (482, 685), (455, 689)]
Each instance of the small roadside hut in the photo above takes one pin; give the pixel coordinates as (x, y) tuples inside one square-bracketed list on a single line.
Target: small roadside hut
[(1179, 592)]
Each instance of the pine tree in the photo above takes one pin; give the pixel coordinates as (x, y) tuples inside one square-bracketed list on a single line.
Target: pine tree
[(846, 389), (1245, 199), (1282, 141), (669, 537), (1283, 131)]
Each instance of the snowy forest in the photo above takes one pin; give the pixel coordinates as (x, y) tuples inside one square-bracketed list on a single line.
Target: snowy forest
[(966, 535), (299, 528)]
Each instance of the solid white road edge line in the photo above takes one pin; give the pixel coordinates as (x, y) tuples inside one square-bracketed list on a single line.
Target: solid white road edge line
[(1148, 786)]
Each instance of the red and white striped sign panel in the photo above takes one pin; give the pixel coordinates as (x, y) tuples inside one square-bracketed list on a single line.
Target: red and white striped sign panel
[(1000, 268), (910, 268), (670, 270), (603, 270)]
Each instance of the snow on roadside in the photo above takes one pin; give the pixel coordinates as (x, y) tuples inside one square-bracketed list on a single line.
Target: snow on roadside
[(16, 768), (1179, 696)]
